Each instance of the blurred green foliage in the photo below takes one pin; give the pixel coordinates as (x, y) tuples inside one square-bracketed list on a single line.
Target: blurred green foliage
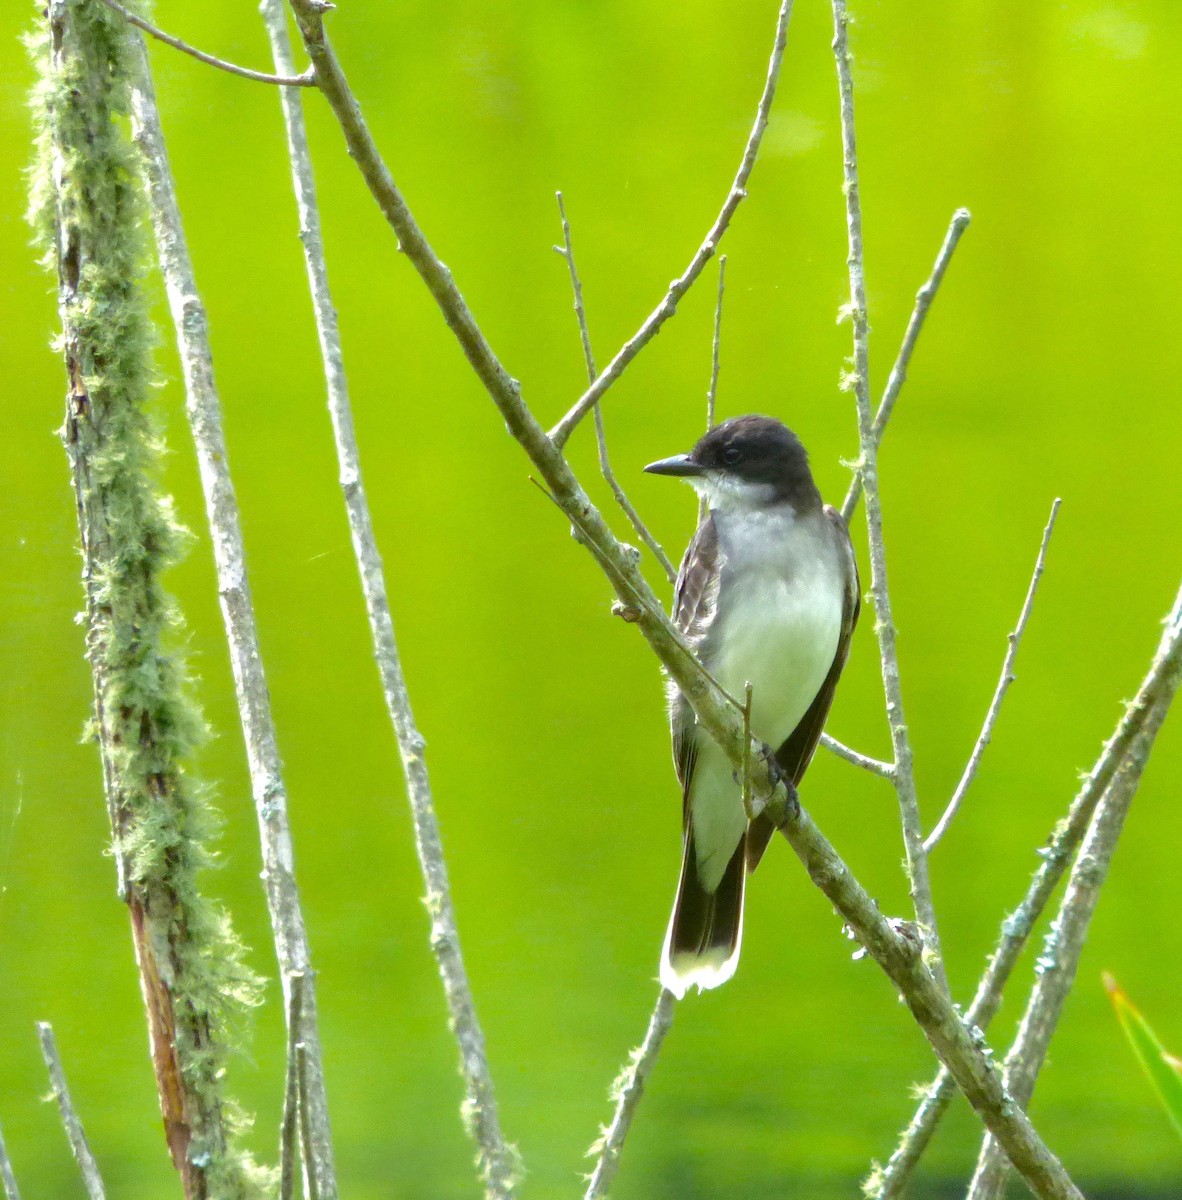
[(1049, 367), (1163, 1069)]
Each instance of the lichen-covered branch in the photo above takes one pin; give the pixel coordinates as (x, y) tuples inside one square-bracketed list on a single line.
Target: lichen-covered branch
[(88, 211), (496, 1158), (1153, 697), (270, 795), (903, 776)]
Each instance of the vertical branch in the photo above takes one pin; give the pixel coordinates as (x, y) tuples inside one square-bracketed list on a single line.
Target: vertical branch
[(1153, 697), (75, 1134), (884, 627), (627, 1092), (88, 212), (270, 794), (715, 365), (605, 467), (289, 1130), (1063, 946), (7, 1177), (497, 1159)]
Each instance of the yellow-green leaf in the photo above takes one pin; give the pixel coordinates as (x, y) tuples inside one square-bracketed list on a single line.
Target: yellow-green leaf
[(1164, 1069)]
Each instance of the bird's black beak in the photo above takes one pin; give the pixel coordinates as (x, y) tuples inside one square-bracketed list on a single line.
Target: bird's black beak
[(679, 464)]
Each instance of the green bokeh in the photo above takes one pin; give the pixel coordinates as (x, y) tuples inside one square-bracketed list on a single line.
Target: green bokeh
[(1050, 367)]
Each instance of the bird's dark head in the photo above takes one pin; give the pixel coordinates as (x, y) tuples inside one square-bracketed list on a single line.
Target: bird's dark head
[(746, 461)]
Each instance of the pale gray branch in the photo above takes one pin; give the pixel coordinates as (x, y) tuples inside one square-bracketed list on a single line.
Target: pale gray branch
[(682, 284), (627, 1091), (898, 376), (7, 1177), (567, 250), (884, 625), (496, 1158), (896, 949), (289, 1130), (70, 1121), (289, 80), (874, 765), (1153, 696), (1057, 965), (715, 365), (270, 795), (999, 694)]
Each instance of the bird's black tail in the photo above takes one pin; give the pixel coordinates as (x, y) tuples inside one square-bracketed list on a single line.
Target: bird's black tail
[(706, 929)]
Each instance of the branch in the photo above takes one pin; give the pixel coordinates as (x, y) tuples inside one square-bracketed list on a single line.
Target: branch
[(873, 765), (884, 625), (568, 252), (497, 1159), (1059, 961), (898, 376), (70, 1122), (682, 284), (1155, 694), (627, 1091), (7, 1178), (289, 1135), (290, 80), (270, 795), (898, 954), (1003, 686), (715, 364)]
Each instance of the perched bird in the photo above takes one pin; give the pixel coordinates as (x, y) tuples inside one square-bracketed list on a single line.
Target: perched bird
[(767, 595)]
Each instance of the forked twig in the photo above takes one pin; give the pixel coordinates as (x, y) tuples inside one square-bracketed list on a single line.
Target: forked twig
[(999, 694), (70, 1120), (682, 284), (305, 80), (567, 251)]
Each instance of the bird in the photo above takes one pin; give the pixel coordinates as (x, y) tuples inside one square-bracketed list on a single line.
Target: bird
[(767, 595)]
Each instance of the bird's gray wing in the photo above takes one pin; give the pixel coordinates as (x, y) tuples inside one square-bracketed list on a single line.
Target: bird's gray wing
[(794, 756), (694, 606)]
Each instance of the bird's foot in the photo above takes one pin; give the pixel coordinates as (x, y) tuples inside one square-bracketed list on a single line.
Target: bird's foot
[(779, 807)]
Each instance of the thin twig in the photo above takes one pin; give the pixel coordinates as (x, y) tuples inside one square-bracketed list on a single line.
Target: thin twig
[(745, 773), (1057, 964), (7, 1177), (497, 1159), (904, 773), (70, 1121), (270, 795), (898, 376), (715, 365), (567, 250), (897, 952), (1003, 685), (305, 80), (1155, 693), (874, 765), (678, 288), (627, 1091), (290, 1127)]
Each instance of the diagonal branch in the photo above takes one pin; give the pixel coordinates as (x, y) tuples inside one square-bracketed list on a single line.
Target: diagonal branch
[(75, 1134), (884, 625), (567, 251), (682, 284), (999, 694), (1155, 694), (497, 1159), (288, 80), (270, 795), (7, 1177), (898, 376)]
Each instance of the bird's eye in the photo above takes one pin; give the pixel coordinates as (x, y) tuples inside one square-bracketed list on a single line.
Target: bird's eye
[(731, 455)]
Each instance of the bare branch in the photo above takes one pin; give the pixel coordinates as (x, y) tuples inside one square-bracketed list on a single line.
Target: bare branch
[(884, 625), (999, 694), (716, 345), (896, 952), (873, 765), (7, 1177), (497, 1159), (568, 252), (305, 80), (1155, 693), (1059, 961), (682, 284), (898, 375), (627, 1091), (70, 1122), (270, 795), (289, 1129)]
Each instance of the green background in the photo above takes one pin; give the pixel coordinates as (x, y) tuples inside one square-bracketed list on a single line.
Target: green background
[(1050, 368)]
